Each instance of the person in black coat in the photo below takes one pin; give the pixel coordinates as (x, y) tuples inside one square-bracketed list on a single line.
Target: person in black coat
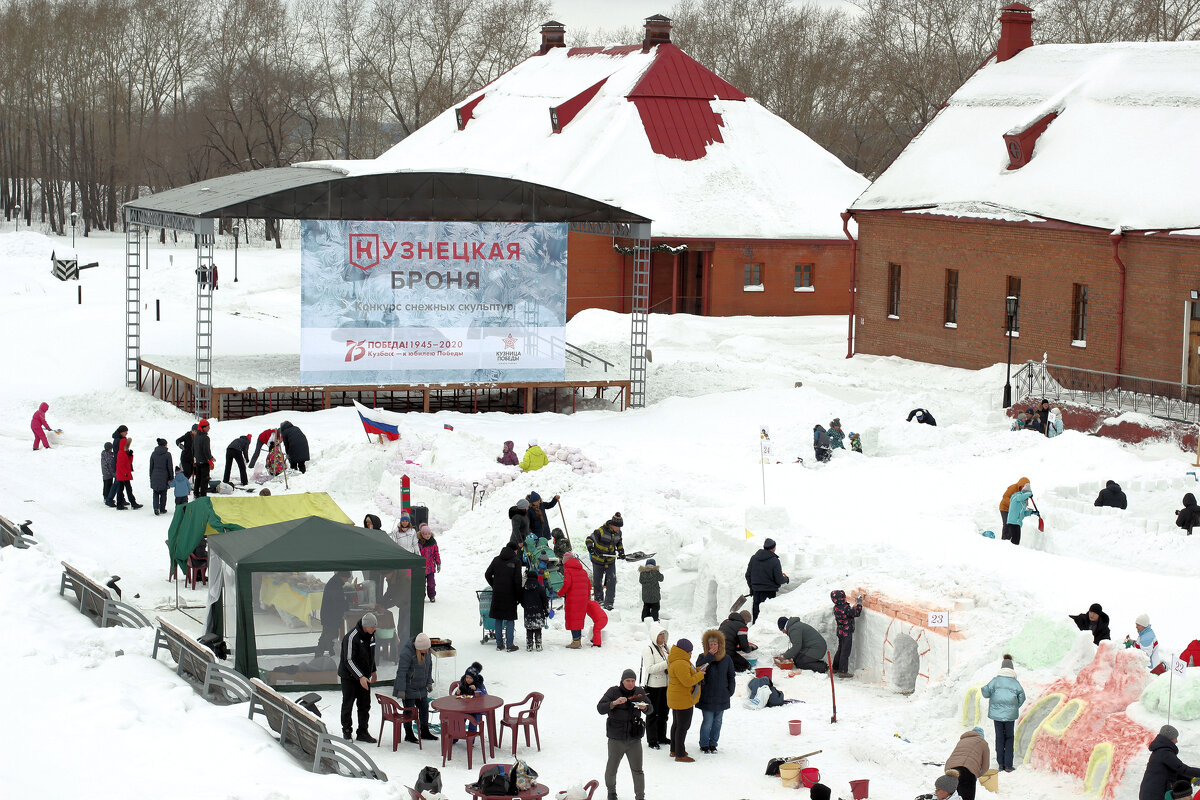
[(186, 445), (518, 515), (237, 451), (334, 605), (1164, 768), (162, 470), (296, 445), (1111, 496), (1188, 517), (504, 576), (356, 669), (923, 416), (735, 631), (716, 689), (202, 459), (624, 704), (539, 526), (120, 433), (1094, 620), (764, 575)]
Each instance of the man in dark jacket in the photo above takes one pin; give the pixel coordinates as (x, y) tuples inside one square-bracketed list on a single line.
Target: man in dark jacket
[(1188, 517), (764, 575), (1164, 767), (623, 704), (162, 470), (357, 672), (1095, 620), (296, 445), (1111, 496), (605, 547), (808, 647), (334, 605), (736, 632), (186, 444), (539, 526), (843, 617), (923, 416), (202, 459), (504, 576), (237, 451)]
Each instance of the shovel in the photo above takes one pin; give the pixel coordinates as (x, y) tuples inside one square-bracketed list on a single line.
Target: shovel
[(1041, 522)]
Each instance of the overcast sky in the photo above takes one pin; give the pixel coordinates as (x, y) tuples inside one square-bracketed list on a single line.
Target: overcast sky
[(607, 14)]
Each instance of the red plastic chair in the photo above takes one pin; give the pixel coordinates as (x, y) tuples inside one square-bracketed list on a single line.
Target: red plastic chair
[(453, 686), (454, 726), (524, 719), (196, 571), (391, 711)]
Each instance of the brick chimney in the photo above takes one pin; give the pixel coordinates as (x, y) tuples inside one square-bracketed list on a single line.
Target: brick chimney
[(1016, 31), (554, 34), (658, 31)]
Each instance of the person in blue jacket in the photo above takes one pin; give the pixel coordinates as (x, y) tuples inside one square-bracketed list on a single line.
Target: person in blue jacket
[(1005, 698), (1017, 512), (181, 486)]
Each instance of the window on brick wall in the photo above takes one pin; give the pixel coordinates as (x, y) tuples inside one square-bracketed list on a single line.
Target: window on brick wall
[(893, 295), (804, 277), (950, 304), (1079, 308), (752, 275), (1014, 290)]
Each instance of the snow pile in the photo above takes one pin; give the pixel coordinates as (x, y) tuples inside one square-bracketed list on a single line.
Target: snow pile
[(1181, 696), (1043, 642)]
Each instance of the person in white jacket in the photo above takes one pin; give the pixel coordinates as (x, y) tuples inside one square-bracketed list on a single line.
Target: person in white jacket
[(654, 668), (405, 535)]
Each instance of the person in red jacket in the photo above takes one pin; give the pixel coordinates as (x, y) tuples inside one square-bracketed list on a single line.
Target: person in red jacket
[(124, 481), (577, 591), (264, 440), (40, 426)]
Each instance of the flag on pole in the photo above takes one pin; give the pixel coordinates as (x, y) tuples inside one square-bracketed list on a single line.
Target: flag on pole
[(379, 421), (748, 533), (448, 427)]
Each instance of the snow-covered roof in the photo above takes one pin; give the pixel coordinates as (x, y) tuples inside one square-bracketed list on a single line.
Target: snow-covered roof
[(1122, 152), (654, 133)]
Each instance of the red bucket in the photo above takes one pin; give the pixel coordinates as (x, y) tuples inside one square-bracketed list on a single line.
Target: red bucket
[(858, 790), (809, 777), (794, 727), (763, 672)]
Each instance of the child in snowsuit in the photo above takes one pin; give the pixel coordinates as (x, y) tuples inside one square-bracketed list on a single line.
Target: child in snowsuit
[(843, 615), (40, 426), (509, 456), (108, 467), (433, 560), (821, 446), (856, 443), (180, 484), (535, 606), (650, 576), (836, 435)]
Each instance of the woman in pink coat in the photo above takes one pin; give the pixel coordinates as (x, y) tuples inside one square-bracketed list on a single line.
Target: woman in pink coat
[(40, 426), (577, 589)]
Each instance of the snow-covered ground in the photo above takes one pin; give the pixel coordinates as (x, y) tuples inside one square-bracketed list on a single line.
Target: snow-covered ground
[(901, 520)]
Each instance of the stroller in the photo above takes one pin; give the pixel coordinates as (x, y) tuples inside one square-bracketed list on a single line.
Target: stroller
[(486, 623)]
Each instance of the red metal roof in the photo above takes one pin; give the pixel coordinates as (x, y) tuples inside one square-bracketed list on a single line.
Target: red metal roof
[(563, 113), (465, 112), (679, 128), (676, 74)]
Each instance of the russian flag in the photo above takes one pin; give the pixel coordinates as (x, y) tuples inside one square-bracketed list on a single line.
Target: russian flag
[(374, 421), (447, 427)]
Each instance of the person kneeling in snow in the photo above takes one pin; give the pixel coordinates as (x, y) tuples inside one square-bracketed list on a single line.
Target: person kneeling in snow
[(808, 647), (1148, 641), (509, 456), (946, 787), (923, 416), (535, 457), (1111, 496)]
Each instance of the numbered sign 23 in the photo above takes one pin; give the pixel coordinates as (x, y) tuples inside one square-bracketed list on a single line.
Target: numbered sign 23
[(939, 619)]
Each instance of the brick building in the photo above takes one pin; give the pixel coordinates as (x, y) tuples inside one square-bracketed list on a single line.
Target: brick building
[(745, 208), (1065, 175)]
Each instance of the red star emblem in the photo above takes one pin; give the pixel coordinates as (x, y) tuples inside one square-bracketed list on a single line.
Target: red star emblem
[(510, 342)]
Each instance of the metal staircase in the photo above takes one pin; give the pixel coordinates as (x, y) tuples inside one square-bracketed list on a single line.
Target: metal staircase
[(204, 322), (133, 304)]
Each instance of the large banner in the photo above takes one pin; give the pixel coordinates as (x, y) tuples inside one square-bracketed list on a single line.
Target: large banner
[(432, 302)]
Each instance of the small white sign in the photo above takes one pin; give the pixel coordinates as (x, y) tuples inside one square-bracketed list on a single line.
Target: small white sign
[(1180, 668), (939, 619), (764, 443)]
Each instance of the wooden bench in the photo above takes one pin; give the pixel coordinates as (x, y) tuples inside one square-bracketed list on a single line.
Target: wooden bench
[(97, 603), (18, 536), (301, 730), (198, 664)]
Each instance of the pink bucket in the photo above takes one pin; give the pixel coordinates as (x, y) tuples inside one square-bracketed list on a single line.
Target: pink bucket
[(809, 777), (794, 727), (858, 790)]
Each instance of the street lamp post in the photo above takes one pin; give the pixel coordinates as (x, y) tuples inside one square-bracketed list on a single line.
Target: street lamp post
[(16, 217), (235, 249), (1010, 305), (74, 218)]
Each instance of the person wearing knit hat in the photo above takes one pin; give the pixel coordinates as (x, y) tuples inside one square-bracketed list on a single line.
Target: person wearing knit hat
[(534, 459), (683, 692), (605, 547), (1146, 640), (539, 525), (1018, 510), (946, 786), (1094, 620), (819, 791), (162, 471), (414, 682), (1005, 698), (764, 576), (202, 458), (623, 706), (650, 577), (518, 517), (1165, 768), (356, 670)]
